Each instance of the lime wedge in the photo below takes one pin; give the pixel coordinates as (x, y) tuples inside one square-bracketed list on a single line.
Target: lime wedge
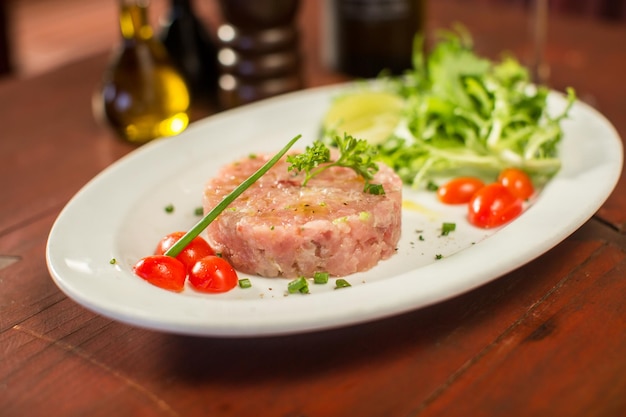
[(369, 115)]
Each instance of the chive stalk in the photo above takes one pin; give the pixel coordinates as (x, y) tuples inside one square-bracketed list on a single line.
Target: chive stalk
[(212, 215)]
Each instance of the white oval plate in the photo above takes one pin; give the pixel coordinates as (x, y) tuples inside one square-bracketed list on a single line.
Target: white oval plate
[(121, 215)]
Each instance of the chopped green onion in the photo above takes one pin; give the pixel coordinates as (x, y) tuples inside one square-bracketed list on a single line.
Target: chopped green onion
[(299, 284), (446, 228), (198, 211), (320, 278), (113, 261), (221, 206), (342, 283), (438, 256), (245, 283), (169, 208)]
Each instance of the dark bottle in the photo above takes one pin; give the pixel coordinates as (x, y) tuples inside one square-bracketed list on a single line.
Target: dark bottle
[(192, 49), (259, 52), (143, 96), (369, 36)]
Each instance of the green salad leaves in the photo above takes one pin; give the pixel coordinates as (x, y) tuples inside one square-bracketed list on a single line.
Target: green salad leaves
[(464, 112)]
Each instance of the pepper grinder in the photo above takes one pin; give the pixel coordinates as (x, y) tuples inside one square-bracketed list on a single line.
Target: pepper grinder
[(258, 54)]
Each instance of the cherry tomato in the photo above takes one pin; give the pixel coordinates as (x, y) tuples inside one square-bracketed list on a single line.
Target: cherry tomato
[(493, 205), (459, 190), (163, 271), (517, 182), (195, 250), (213, 274)]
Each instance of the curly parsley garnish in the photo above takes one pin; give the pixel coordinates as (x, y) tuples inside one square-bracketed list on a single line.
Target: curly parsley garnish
[(356, 154)]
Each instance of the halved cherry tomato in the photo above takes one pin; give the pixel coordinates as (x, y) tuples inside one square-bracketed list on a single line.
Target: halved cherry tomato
[(197, 249), (459, 190), (213, 274), (163, 271), (517, 182), (493, 205)]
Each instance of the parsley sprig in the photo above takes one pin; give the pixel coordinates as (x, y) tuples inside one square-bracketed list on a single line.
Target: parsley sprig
[(356, 154)]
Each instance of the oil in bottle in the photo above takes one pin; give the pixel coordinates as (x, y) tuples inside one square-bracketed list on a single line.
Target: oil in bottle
[(143, 95)]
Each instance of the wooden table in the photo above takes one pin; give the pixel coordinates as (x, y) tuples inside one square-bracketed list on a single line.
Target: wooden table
[(548, 339)]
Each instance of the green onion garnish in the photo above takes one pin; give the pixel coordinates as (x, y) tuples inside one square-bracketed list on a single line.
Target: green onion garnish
[(320, 278), (342, 283), (299, 284), (446, 228), (245, 283)]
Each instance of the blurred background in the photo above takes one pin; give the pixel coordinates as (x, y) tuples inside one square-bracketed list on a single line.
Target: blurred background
[(39, 35)]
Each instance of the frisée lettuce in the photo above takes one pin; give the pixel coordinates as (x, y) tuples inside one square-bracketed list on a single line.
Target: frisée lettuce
[(464, 112)]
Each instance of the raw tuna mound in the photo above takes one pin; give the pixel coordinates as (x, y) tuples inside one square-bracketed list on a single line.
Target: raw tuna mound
[(277, 228)]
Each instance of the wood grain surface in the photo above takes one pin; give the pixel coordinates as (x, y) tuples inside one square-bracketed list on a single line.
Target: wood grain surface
[(548, 339)]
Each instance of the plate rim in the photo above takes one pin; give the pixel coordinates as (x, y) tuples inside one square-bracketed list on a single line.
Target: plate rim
[(324, 320)]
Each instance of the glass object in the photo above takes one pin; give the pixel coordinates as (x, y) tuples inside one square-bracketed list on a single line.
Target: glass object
[(143, 96), (366, 37), (192, 49), (259, 52), (539, 68)]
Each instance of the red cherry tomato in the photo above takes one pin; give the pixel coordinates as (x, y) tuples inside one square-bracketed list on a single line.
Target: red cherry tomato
[(195, 250), (163, 271), (459, 190), (493, 205), (517, 182), (213, 274)]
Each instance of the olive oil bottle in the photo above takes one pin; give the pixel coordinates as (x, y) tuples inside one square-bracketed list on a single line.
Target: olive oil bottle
[(143, 95)]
